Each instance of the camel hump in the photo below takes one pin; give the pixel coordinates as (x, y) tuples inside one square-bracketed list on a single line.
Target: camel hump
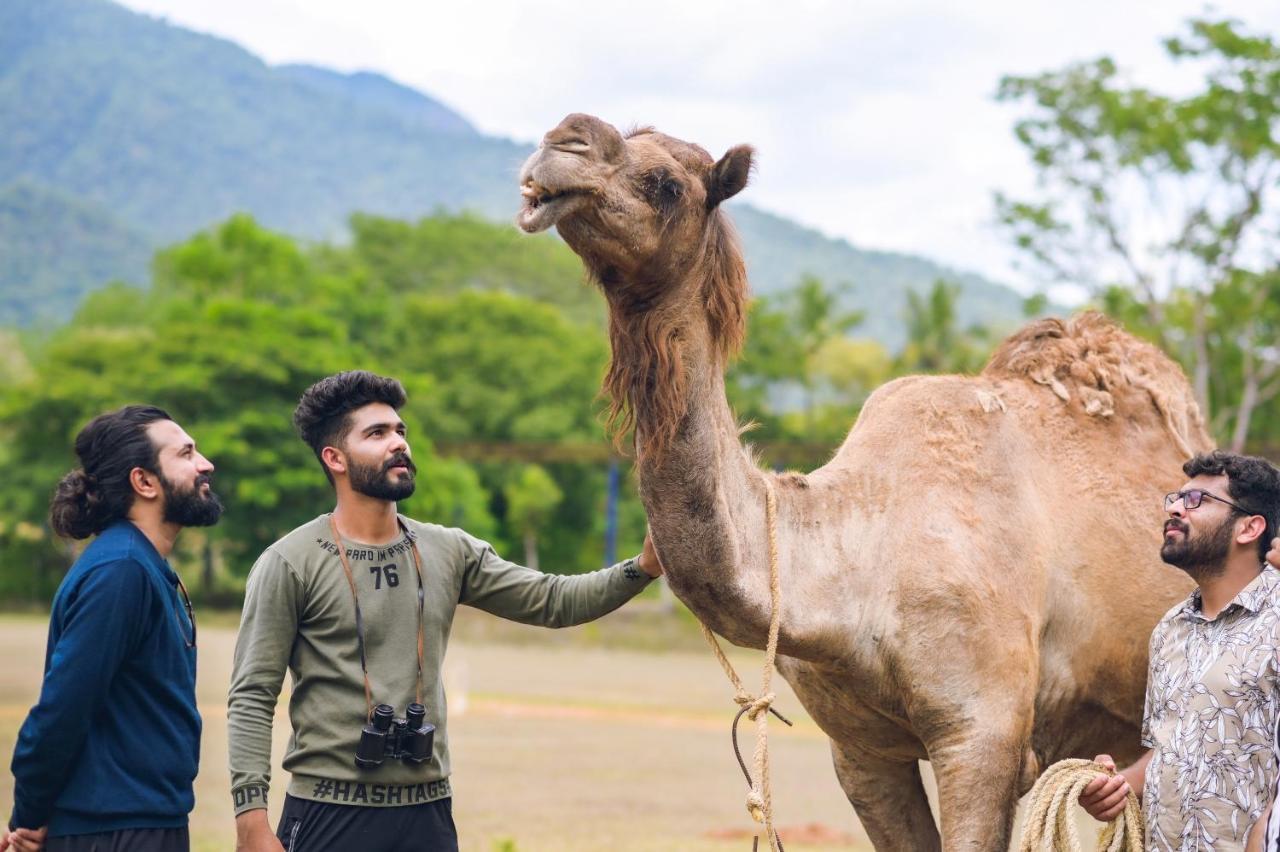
[(1089, 361)]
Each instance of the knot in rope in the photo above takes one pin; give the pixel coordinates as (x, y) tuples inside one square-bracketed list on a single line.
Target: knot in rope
[(752, 705)]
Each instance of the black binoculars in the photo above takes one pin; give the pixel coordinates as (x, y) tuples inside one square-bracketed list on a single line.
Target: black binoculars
[(409, 739)]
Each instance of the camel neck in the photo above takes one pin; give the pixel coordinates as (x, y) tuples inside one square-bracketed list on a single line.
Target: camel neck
[(705, 498)]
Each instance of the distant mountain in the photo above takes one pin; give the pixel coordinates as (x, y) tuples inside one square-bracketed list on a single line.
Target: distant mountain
[(366, 89), (52, 245), (779, 251), (141, 133), (172, 130)]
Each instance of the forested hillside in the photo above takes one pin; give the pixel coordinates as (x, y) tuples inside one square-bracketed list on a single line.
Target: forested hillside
[(158, 132)]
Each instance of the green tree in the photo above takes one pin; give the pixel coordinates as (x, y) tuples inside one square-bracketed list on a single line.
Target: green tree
[(935, 341), (1163, 207), (787, 333), (852, 366), (230, 372), (227, 348), (450, 493), (444, 255), (814, 319), (240, 319), (500, 367), (532, 496)]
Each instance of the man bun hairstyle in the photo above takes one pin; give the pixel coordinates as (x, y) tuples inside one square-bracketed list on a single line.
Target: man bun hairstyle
[(323, 414), (1252, 482), (98, 493)]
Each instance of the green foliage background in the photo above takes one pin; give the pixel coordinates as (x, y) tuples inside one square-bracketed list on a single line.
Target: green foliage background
[(239, 320), (496, 336)]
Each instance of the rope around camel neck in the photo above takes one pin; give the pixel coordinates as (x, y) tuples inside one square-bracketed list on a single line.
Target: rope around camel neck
[(1050, 822), (757, 707)]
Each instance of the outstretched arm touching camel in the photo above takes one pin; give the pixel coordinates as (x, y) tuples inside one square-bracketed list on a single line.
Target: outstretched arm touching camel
[(1104, 797)]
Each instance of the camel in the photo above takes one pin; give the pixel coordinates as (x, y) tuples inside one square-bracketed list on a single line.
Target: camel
[(971, 580)]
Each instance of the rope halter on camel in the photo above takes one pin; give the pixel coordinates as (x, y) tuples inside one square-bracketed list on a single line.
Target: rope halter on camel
[(1050, 825), (758, 707)]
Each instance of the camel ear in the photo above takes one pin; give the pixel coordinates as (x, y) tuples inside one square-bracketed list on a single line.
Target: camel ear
[(729, 175)]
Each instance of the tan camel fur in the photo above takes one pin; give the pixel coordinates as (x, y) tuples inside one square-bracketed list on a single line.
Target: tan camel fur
[(971, 580)]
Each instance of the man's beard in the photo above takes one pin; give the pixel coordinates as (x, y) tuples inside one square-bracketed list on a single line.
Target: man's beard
[(1202, 557), (190, 508), (375, 480)]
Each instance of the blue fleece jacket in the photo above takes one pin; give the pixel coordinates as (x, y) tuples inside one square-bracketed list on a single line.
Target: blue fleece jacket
[(114, 741)]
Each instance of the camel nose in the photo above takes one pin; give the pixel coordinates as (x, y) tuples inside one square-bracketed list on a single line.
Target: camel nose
[(584, 133)]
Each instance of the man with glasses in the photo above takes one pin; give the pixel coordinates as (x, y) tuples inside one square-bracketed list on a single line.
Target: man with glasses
[(106, 759), (1265, 836), (1212, 684)]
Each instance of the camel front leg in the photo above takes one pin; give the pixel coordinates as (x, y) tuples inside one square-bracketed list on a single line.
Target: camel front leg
[(980, 777), (889, 799)]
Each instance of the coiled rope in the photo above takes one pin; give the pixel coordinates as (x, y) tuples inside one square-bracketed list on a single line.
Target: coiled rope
[(1050, 821), (758, 707)]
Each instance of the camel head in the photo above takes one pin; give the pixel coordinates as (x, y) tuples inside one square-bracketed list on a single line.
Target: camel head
[(642, 210), (630, 206)]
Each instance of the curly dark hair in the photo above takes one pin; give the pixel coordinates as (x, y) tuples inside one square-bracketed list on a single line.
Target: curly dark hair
[(323, 414), (98, 493), (1252, 482)]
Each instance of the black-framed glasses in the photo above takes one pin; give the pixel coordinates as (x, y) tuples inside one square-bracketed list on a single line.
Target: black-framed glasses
[(1193, 497), (191, 616)]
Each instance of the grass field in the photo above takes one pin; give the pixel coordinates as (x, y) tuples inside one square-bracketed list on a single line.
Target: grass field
[(562, 740)]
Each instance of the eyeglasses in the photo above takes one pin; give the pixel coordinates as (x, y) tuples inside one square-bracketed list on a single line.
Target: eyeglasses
[(1193, 497), (191, 616)]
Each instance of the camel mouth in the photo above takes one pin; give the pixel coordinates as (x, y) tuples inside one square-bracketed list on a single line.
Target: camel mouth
[(544, 207)]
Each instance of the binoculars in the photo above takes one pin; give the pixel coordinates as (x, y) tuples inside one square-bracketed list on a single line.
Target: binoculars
[(409, 739)]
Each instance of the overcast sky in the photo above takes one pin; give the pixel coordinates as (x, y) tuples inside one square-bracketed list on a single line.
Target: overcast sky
[(873, 119)]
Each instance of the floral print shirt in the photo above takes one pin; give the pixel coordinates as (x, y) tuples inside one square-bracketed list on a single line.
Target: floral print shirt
[(1210, 718)]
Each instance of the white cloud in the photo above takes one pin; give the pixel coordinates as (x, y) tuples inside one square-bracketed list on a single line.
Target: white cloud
[(874, 120)]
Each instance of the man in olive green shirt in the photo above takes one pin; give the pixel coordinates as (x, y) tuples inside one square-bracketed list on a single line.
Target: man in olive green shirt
[(357, 605)]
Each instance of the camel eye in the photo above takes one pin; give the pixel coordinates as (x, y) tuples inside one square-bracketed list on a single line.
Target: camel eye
[(663, 189)]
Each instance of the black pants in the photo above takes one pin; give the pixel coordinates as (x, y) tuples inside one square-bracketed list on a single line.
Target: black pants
[(125, 840), (307, 826)]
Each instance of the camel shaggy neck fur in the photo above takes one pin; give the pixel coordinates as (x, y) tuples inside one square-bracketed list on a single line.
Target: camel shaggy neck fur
[(973, 577)]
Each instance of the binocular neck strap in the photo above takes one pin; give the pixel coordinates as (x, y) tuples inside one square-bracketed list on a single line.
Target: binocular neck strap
[(355, 598), (417, 567)]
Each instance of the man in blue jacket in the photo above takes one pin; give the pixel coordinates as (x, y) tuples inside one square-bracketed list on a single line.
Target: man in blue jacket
[(106, 759)]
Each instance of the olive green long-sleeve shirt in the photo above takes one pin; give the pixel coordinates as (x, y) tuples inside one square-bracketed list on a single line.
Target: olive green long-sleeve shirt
[(299, 615)]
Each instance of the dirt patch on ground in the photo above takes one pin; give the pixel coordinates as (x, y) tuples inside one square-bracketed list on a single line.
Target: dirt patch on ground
[(814, 834)]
